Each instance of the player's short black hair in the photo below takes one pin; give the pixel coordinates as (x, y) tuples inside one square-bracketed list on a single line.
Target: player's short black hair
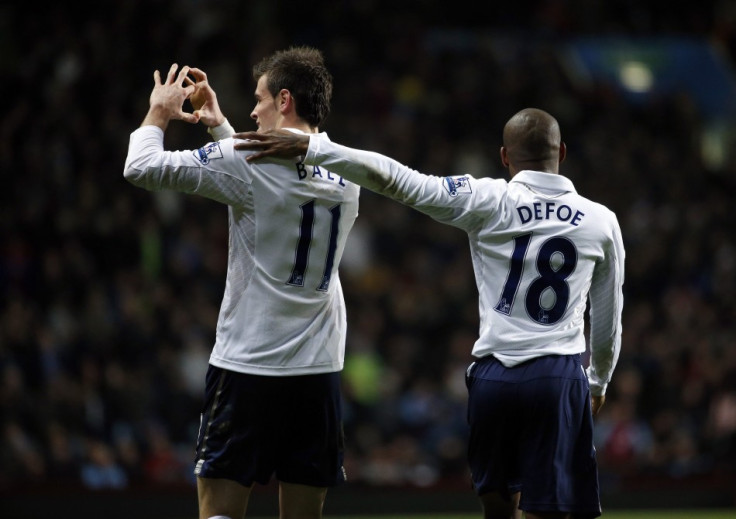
[(532, 136), (302, 71)]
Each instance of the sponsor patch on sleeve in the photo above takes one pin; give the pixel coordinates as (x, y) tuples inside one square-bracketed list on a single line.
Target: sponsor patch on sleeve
[(207, 153), (458, 186)]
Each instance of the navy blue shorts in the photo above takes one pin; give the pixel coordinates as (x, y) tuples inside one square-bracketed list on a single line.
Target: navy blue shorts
[(253, 427), (531, 431)]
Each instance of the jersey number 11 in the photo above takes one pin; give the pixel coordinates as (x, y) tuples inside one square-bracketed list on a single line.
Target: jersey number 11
[(305, 242)]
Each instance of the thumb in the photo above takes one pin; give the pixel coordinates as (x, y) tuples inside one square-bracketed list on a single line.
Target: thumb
[(192, 118)]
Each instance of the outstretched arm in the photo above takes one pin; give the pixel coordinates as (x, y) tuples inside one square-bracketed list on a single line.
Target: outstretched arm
[(167, 99), (368, 169), (282, 144), (430, 194)]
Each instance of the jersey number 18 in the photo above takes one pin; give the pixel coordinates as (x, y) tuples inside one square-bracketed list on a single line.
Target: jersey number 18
[(556, 261)]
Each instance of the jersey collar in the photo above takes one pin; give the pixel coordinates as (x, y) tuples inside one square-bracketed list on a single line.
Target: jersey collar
[(297, 130), (541, 181)]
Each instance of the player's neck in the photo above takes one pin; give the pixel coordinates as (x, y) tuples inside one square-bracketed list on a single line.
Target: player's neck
[(298, 124)]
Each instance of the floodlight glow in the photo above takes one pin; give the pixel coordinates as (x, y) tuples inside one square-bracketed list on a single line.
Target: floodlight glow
[(636, 77)]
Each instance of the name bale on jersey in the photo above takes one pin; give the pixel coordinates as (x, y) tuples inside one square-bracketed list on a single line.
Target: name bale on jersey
[(302, 172), (549, 210)]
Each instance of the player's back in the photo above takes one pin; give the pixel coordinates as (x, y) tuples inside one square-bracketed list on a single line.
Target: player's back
[(537, 256), (283, 311)]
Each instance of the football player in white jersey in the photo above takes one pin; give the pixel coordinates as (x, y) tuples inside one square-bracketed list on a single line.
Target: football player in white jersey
[(541, 252), (272, 402)]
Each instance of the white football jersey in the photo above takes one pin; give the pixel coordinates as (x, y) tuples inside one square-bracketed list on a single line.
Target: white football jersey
[(539, 250), (283, 311)]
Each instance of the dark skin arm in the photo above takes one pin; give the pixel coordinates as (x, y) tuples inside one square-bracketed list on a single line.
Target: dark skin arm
[(597, 402), (273, 143)]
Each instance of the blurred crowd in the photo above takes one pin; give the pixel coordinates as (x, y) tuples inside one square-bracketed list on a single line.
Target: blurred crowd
[(110, 294)]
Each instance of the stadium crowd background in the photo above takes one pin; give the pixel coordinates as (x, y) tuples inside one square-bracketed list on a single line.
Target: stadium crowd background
[(110, 294)]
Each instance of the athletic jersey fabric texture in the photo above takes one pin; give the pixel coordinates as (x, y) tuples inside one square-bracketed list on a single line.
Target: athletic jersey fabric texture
[(538, 250), (283, 311)]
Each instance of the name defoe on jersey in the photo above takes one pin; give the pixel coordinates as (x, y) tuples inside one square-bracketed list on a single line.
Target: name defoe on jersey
[(547, 210)]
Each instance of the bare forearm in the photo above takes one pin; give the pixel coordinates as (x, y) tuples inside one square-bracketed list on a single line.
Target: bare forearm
[(157, 116)]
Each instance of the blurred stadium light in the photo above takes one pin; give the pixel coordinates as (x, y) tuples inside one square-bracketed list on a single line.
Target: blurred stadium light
[(642, 69)]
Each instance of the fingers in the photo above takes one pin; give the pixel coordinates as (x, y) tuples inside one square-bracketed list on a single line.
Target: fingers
[(198, 74), (254, 142), (189, 118), (249, 144), (172, 72), (182, 75), (170, 75), (181, 78), (255, 156), (253, 136)]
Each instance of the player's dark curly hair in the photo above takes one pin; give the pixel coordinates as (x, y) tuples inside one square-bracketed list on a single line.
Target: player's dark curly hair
[(302, 71)]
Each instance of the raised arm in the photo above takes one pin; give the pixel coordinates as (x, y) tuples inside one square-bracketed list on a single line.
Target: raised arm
[(207, 171), (167, 99)]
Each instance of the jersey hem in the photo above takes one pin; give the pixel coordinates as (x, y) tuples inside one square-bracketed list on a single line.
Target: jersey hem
[(511, 361), (275, 371)]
